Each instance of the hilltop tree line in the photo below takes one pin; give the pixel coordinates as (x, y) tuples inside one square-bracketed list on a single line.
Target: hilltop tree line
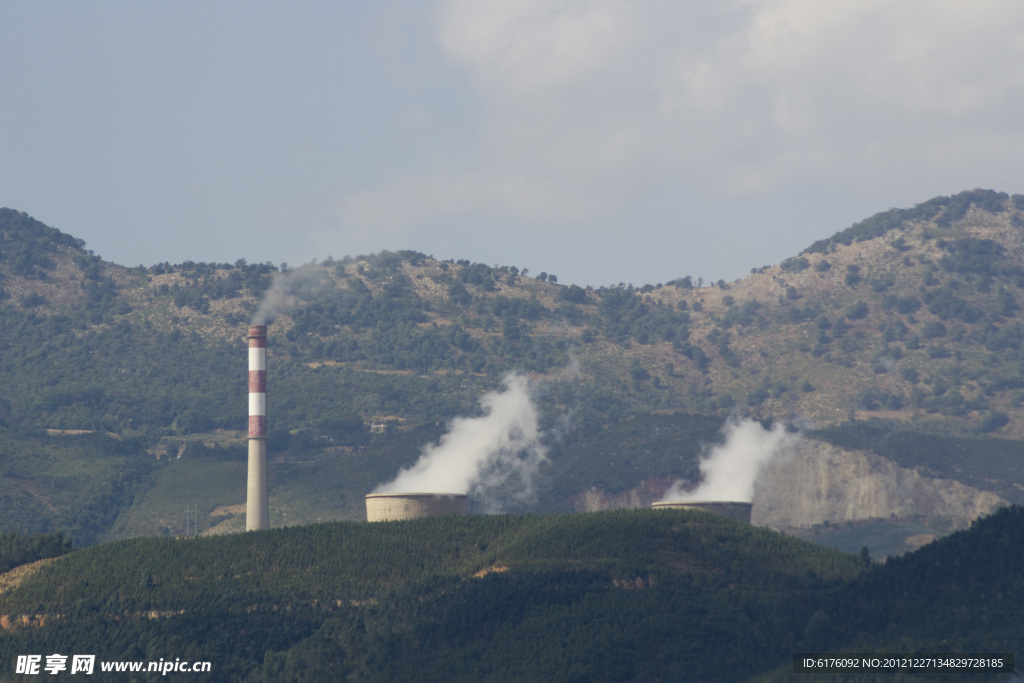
[(17, 549)]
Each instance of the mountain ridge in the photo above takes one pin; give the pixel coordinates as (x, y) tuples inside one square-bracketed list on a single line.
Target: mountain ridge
[(909, 320)]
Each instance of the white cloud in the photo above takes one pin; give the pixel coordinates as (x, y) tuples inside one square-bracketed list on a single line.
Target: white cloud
[(583, 103), (534, 44)]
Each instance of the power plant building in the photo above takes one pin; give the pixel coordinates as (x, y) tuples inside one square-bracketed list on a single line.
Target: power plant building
[(384, 507)]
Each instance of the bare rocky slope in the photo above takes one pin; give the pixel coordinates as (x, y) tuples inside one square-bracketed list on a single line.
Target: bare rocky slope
[(821, 483)]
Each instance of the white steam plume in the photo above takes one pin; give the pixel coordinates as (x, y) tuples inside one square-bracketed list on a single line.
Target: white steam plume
[(287, 290), (730, 469), (479, 455)]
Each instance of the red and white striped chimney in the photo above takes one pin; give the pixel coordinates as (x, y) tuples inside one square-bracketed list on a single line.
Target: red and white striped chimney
[(257, 511), (257, 381)]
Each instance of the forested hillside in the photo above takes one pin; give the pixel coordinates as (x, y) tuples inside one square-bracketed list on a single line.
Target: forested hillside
[(616, 596), (909, 322), (610, 596)]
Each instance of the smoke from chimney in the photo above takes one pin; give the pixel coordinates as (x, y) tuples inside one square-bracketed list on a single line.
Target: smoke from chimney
[(287, 290), (500, 450), (730, 470)]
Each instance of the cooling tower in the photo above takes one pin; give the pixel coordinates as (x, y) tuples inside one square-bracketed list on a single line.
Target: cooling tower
[(257, 510), (736, 510), (383, 507)]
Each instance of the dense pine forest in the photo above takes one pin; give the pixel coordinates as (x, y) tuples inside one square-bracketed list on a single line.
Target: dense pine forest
[(615, 596)]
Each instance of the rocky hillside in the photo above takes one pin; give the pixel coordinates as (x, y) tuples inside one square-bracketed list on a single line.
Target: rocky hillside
[(911, 319), (858, 486), (911, 315)]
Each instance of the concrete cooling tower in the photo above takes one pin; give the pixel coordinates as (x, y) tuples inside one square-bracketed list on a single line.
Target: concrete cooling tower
[(383, 507), (733, 509)]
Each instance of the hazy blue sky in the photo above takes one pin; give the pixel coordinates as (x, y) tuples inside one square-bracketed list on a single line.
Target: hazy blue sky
[(601, 140)]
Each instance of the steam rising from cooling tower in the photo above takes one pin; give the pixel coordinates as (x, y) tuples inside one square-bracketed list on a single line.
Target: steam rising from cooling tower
[(731, 469), (492, 458)]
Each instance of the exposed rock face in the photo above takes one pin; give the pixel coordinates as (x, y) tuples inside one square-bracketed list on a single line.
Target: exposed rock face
[(594, 499), (817, 483), (820, 483)]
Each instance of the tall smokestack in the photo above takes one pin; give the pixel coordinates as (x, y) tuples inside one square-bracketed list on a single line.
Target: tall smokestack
[(257, 511)]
